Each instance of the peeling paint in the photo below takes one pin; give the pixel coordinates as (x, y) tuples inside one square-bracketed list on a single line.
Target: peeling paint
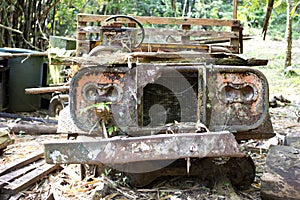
[(93, 154), (58, 157)]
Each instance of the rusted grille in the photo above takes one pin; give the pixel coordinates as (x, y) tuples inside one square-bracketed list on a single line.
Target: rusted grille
[(161, 105)]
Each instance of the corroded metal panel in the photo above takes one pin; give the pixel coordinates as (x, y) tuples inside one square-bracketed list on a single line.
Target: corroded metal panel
[(144, 148), (149, 96), (238, 98)]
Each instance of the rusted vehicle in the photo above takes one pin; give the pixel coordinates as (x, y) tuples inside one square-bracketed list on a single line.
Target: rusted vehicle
[(158, 96)]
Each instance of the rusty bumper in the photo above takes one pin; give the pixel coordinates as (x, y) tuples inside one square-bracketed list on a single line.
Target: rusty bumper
[(144, 148)]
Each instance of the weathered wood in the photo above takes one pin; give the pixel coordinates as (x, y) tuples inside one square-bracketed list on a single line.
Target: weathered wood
[(83, 47), (281, 177), (33, 128), (165, 31), (18, 173), (236, 41), (5, 139), (174, 46), (122, 58), (29, 178), (44, 90), (185, 27), (164, 20), (21, 162), (235, 36)]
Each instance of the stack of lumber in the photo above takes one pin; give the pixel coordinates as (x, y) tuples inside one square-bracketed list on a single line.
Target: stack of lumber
[(22, 173)]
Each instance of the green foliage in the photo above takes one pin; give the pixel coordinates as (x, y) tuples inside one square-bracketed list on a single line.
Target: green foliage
[(250, 12), (103, 106), (293, 12), (64, 15), (111, 130)]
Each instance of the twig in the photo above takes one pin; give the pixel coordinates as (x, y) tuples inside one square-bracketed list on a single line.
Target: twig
[(11, 29), (119, 190)]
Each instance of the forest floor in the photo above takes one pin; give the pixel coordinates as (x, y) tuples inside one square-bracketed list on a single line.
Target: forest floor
[(66, 184)]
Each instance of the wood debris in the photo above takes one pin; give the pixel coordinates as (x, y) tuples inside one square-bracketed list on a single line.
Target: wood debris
[(22, 173), (5, 139)]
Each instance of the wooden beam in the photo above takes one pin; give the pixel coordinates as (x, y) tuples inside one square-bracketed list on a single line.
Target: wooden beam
[(46, 90), (163, 20), (172, 32), (33, 128), (176, 46)]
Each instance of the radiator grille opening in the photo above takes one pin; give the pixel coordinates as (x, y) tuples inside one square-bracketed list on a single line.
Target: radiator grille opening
[(169, 99)]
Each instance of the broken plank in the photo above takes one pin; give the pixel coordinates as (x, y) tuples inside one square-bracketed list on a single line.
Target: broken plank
[(29, 178), (21, 162), (18, 173)]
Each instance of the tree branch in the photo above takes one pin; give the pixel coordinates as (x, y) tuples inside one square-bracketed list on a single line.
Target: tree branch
[(11, 29)]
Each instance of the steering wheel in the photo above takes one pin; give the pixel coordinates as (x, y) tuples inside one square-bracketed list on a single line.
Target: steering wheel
[(130, 39)]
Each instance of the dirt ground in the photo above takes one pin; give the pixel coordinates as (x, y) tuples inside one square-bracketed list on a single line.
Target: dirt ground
[(66, 184)]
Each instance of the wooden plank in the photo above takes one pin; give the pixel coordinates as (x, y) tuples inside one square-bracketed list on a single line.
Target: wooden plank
[(18, 173), (21, 162), (46, 90), (29, 178), (164, 20), (235, 41), (81, 39), (172, 32), (185, 39), (83, 47), (33, 128), (175, 46)]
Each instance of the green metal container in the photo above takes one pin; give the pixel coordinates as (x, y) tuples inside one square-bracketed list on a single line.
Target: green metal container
[(25, 72)]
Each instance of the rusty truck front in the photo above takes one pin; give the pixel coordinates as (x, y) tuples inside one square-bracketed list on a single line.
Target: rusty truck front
[(155, 109)]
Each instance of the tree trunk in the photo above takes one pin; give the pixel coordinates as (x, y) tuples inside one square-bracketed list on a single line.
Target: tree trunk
[(288, 55)]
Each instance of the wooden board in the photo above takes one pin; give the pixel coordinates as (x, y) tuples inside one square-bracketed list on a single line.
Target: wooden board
[(21, 162), (171, 57), (172, 32), (18, 173), (33, 128), (29, 178), (164, 20)]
